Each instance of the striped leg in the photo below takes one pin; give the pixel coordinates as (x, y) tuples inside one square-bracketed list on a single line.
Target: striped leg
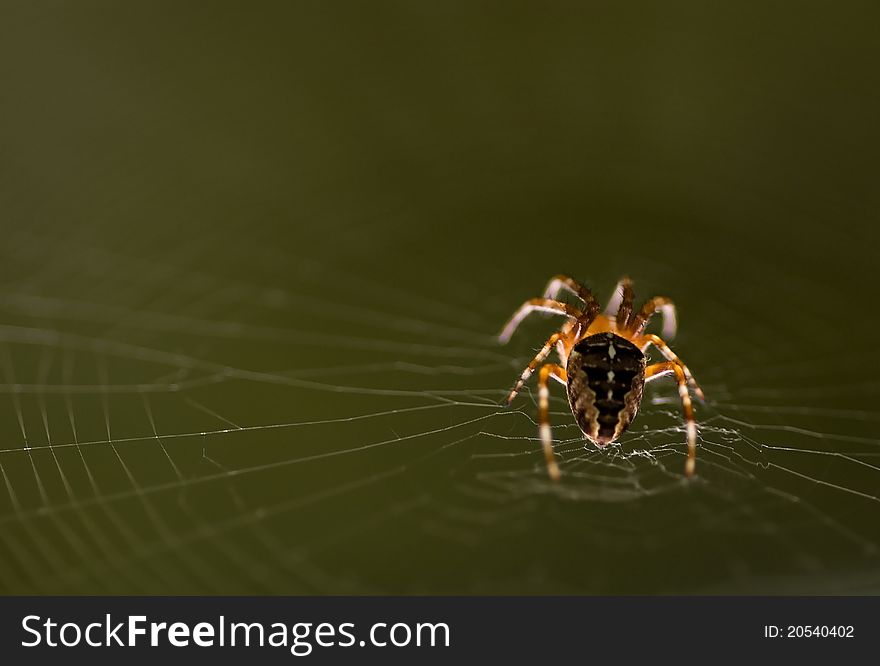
[(659, 370), (649, 309), (537, 305), (569, 332), (625, 311), (534, 363), (643, 341), (620, 305), (558, 373), (559, 282)]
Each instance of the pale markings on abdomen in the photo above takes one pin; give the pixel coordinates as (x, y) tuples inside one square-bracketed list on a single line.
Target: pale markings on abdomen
[(596, 367)]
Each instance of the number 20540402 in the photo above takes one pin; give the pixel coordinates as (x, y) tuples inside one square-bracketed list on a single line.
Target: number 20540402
[(809, 631)]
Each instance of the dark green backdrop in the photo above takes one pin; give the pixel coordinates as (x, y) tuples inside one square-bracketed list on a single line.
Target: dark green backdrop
[(254, 254)]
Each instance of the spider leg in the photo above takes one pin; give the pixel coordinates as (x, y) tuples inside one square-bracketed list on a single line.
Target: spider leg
[(625, 310), (659, 370), (619, 306), (562, 340), (537, 305), (559, 282), (566, 340), (558, 373), (643, 341), (649, 309), (616, 298)]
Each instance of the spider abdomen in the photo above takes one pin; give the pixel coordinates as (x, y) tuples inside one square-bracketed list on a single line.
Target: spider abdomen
[(606, 377)]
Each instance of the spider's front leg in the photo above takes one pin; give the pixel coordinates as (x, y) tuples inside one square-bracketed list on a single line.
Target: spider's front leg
[(622, 290), (625, 308), (537, 305), (558, 373), (649, 309), (559, 282), (657, 370)]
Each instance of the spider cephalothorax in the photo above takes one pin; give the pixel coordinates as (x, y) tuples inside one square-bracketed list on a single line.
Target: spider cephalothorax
[(603, 364)]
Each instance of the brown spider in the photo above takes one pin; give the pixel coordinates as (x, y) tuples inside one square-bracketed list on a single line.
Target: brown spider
[(603, 363)]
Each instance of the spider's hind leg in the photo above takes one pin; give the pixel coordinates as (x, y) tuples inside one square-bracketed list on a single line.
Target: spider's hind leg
[(658, 370), (644, 341), (558, 373)]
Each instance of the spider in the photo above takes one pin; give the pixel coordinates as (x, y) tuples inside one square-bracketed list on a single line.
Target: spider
[(603, 364)]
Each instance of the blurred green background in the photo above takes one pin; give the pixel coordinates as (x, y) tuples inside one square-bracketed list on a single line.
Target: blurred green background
[(254, 255)]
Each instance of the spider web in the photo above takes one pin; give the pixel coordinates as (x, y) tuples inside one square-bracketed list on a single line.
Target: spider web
[(176, 431)]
